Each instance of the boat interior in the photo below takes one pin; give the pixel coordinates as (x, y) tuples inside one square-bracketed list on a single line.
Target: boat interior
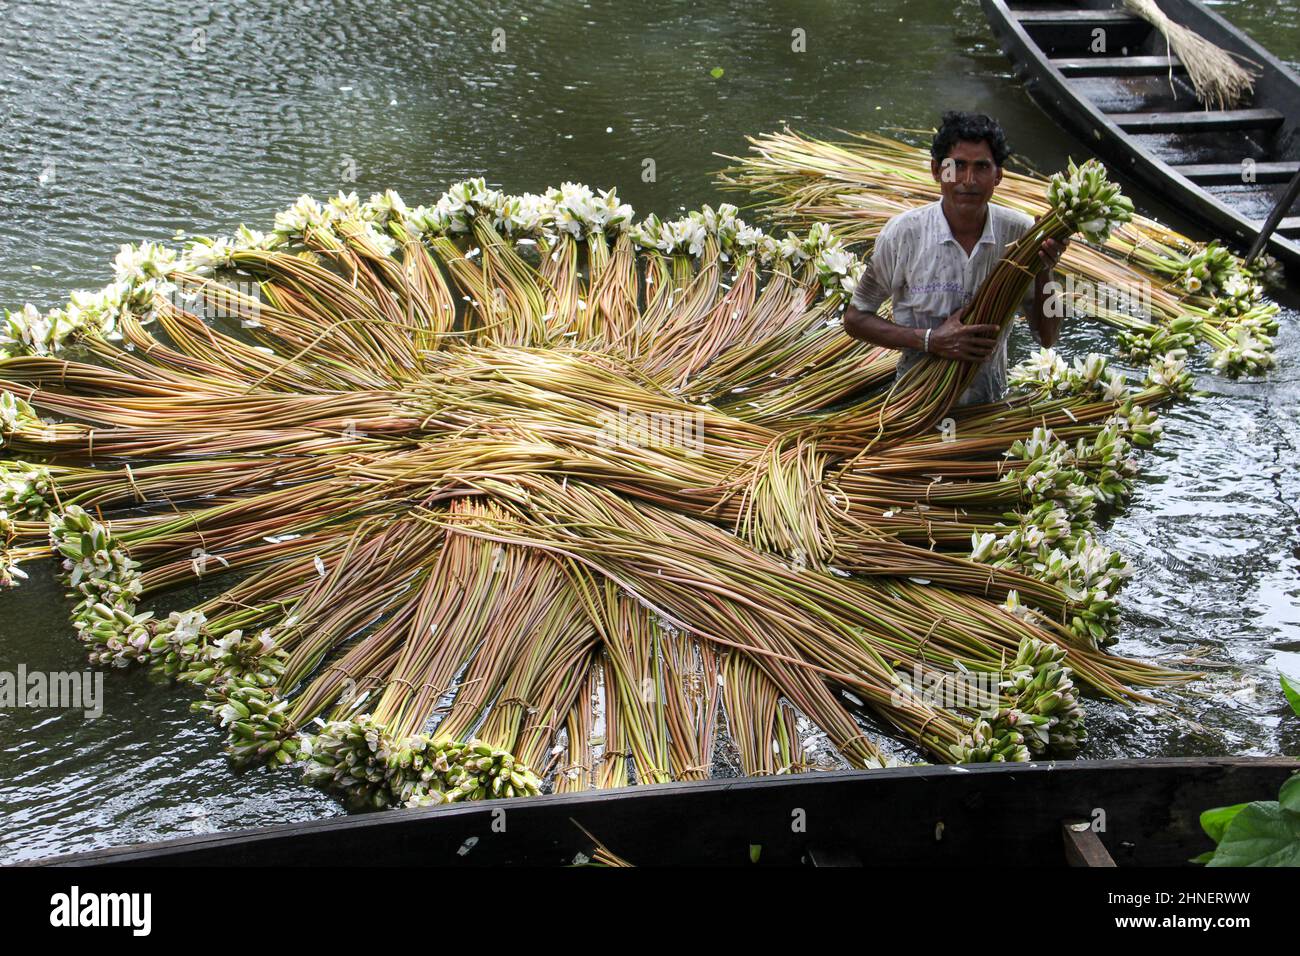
[(1122, 64)]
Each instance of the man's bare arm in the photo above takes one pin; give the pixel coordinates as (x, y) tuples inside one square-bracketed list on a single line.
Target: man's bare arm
[(1045, 322), (871, 328), (952, 340), (1045, 325)]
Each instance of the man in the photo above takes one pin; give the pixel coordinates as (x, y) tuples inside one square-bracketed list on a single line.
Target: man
[(932, 259)]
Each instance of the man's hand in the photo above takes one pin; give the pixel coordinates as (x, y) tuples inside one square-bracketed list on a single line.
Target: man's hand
[(965, 343), (1051, 252)]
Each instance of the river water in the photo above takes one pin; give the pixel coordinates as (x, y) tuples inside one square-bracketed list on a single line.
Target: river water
[(123, 122)]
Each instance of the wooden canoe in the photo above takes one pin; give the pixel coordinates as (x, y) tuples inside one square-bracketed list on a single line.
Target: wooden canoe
[(1106, 812), (1132, 104)]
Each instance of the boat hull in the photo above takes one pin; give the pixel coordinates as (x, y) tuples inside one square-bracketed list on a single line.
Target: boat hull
[(1144, 812)]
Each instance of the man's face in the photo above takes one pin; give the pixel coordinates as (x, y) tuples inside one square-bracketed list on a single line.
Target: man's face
[(968, 176)]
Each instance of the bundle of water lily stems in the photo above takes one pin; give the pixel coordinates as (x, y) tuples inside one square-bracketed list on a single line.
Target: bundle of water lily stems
[(511, 493), (1163, 292)]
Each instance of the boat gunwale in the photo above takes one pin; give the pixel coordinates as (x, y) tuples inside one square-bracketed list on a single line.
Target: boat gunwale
[(480, 814)]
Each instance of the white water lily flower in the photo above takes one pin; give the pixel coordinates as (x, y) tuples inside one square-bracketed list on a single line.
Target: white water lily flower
[(1116, 387), (27, 331), (683, 236), (1235, 286), (526, 215), (224, 645), (457, 208), (25, 489), (1013, 605), (148, 260), (819, 235), (578, 211), (1055, 524), (791, 249), (697, 235), (849, 283), (721, 223), (615, 214), (343, 206), (983, 545), (836, 260), (1094, 563), (205, 256), (1167, 371), (306, 213), (438, 220), (381, 240), (416, 221), (254, 239), (381, 207), (1091, 368), (749, 237), (1044, 369), (186, 625), (14, 413), (1040, 444)]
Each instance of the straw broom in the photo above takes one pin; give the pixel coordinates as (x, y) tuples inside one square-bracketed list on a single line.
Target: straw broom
[(1220, 82)]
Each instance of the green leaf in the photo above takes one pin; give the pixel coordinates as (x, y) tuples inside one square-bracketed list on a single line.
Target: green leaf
[(1262, 834), (1289, 795), (1215, 821), (1204, 858), (716, 72), (1292, 693), (754, 850)]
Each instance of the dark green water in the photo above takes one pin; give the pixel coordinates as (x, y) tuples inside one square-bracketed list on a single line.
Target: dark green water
[(199, 117)]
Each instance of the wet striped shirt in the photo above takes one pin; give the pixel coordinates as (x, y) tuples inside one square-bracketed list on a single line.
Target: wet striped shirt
[(917, 263)]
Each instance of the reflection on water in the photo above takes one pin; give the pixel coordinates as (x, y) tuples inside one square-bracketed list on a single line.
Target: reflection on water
[(123, 123)]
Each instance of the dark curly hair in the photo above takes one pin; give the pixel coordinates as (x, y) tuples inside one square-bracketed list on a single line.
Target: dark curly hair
[(957, 127)]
